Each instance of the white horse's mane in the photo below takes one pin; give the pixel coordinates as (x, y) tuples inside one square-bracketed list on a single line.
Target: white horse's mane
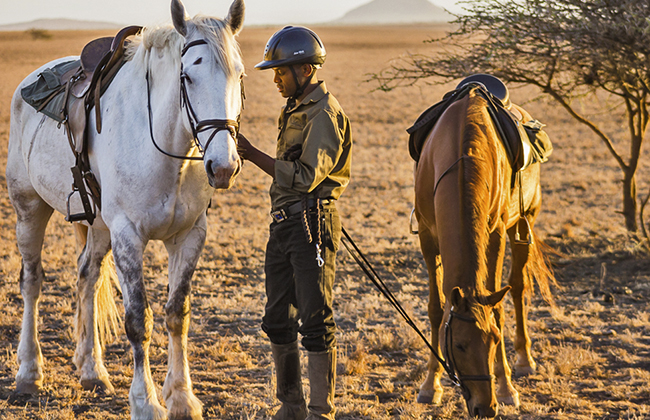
[(169, 42)]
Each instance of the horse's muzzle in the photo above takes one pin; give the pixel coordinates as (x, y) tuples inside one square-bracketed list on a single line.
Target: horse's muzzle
[(222, 177), (482, 411)]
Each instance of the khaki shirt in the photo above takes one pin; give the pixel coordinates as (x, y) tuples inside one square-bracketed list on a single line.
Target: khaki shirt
[(323, 168)]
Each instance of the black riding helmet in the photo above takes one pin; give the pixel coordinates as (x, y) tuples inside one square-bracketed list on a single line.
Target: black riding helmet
[(290, 46), (293, 45)]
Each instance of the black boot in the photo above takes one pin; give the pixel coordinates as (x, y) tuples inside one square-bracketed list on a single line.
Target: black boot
[(322, 380), (289, 385)]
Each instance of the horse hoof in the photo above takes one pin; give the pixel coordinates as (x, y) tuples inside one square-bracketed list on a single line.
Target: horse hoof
[(510, 399), (100, 386), (427, 397), (521, 371), (184, 417), (28, 388)]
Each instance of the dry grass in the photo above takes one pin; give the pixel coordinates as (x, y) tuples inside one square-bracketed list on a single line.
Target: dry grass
[(592, 354)]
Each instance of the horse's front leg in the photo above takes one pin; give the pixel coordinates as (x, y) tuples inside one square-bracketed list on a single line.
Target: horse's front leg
[(32, 217), (138, 321), (94, 299), (184, 254), (506, 392), (431, 388), (524, 363)]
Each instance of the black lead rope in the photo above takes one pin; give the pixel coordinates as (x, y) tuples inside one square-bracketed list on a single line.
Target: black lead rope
[(381, 286)]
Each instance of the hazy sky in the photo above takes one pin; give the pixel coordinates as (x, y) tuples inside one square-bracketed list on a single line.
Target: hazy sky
[(150, 12)]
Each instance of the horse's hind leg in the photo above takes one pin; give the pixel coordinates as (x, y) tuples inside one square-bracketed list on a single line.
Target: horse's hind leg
[(93, 281), (33, 215), (183, 257), (524, 363), (506, 392), (431, 388)]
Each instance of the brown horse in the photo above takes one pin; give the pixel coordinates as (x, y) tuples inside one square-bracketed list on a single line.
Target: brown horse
[(465, 203)]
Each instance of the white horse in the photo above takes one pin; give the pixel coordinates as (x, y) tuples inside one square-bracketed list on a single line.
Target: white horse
[(145, 195)]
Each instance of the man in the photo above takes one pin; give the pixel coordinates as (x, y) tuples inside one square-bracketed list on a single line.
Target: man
[(310, 171)]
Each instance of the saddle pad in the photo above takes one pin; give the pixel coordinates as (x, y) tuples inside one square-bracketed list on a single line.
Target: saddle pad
[(48, 89)]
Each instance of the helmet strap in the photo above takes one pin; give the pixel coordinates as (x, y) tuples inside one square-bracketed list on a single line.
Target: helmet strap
[(300, 89)]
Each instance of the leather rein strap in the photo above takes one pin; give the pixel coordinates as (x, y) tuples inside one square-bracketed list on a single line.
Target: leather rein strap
[(196, 124), (370, 272)]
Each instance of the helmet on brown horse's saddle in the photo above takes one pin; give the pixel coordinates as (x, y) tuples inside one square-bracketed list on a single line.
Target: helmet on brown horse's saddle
[(293, 45), (493, 84)]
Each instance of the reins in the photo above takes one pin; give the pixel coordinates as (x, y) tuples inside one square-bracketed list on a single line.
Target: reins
[(196, 124), (370, 272)]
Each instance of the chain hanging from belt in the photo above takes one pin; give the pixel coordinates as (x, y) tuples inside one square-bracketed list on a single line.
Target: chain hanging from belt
[(307, 219)]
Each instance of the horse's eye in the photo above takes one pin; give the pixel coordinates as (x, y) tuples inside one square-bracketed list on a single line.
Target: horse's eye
[(199, 60)]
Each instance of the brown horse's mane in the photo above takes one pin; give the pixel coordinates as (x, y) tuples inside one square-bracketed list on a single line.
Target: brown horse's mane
[(475, 176)]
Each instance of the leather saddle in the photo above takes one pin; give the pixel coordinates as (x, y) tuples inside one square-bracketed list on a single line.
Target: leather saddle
[(67, 93), (100, 61), (525, 142)]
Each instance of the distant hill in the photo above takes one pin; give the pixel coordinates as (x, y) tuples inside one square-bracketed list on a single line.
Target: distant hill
[(395, 12), (59, 24)]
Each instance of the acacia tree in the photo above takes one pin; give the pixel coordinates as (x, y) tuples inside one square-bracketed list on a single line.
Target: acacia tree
[(570, 49)]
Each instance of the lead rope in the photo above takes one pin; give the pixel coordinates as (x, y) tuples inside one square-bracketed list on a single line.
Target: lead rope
[(370, 272)]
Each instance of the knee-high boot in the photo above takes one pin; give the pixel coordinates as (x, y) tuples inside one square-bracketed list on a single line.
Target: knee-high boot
[(322, 380), (288, 379)]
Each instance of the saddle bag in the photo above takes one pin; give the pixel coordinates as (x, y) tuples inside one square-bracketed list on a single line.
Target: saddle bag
[(539, 140), (46, 94)]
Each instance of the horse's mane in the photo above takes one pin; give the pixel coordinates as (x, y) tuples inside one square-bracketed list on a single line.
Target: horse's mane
[(475, 178), (169, 42)]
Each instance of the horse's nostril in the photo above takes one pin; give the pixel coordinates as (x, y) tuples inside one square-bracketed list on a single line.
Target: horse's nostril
[(208, 168)]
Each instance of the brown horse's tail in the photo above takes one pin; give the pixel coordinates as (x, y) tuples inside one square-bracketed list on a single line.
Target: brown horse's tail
[(538, 268)]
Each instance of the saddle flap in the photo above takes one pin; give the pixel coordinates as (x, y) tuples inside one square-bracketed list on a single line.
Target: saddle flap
[(77, 122)]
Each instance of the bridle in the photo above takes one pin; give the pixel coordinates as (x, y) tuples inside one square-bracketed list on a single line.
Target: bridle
[(197, 125), (451, 367)]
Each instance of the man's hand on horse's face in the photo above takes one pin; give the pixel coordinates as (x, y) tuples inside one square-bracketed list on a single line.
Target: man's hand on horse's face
[(244, 147)]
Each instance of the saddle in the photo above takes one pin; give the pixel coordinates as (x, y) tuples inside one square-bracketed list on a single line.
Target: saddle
[(525, 142), (67, 93)]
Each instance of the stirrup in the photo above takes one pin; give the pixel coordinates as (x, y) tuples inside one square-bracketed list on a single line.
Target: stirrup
[(416, 230), (79, 187), (518, 239)]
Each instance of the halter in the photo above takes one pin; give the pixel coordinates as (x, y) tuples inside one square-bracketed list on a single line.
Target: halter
[(457, 378), (196, 124)]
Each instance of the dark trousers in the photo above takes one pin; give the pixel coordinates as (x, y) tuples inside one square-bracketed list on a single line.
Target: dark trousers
[(299, 292)]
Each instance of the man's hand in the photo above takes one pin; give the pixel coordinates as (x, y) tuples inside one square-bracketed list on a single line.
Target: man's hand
[(244, 147), (247, 151)]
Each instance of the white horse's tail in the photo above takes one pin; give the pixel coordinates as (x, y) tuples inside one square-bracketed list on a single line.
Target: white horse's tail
[(109, 322)]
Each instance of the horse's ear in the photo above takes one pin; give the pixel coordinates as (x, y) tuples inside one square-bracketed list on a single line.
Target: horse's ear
[(235, 16), (179, 17), (458, 299), (497, 297)]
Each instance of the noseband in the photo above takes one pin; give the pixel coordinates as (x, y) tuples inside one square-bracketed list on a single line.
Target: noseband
[(196, 124), (457, 378)]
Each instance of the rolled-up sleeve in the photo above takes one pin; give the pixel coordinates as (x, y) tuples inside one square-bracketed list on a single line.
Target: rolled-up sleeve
[(320, 153)]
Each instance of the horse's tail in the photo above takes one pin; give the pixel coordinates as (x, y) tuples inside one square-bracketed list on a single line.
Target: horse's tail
[(107, 315), (109, 323), (538, 268)]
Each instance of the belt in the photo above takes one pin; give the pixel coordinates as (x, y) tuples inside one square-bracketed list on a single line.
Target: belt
[(283, 214)]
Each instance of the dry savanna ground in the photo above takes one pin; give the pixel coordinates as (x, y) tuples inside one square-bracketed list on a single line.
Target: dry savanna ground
[(592, 349)]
